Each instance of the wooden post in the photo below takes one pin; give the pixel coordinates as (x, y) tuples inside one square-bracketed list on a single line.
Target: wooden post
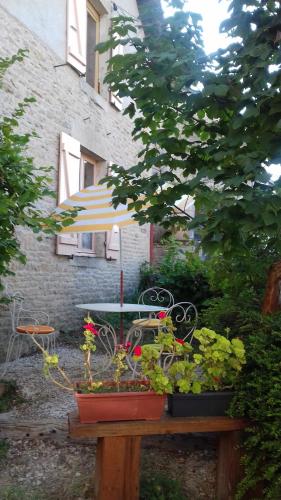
[(117, 468), (228, 468)]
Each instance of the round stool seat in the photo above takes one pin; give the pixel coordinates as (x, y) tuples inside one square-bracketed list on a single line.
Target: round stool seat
[(35, 329), (147, 323)]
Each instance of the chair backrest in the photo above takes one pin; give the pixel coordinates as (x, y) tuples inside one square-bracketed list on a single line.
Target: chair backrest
[(156, 296), (106, 345), (185, 318), (15, 306)]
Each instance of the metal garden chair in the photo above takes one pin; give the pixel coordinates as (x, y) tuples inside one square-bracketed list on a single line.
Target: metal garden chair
[(185, 318), (26, 324), (152, 296)]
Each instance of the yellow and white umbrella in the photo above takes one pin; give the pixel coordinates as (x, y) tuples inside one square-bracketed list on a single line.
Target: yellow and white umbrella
[(97, 213)]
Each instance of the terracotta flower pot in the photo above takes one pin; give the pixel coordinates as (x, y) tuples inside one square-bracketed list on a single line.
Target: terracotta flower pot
[(110, 406)]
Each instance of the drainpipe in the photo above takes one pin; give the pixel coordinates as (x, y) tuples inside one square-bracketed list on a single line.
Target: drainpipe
[(151, 244)]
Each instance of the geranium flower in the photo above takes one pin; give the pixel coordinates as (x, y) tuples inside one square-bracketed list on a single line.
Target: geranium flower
[(123, 347), (180, 341), (91, 328), (161, 315), (137, 351)]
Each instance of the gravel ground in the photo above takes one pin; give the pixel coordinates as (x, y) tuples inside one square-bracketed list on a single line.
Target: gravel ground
[(60, 470)]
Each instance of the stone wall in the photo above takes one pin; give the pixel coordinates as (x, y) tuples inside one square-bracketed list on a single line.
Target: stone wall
[(64, 102)]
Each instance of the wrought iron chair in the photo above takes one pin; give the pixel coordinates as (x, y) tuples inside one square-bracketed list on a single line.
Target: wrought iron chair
[(156, 296), (185, 318), (26, 324), (106, 344)]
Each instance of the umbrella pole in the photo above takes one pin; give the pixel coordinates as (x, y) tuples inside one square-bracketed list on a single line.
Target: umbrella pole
[(121, 289)]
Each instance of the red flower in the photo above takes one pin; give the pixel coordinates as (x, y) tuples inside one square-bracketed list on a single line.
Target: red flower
[(217, 379), (161, 315), (124, 346), (137, 351), (127, 345), (91, 328), (180, 341)]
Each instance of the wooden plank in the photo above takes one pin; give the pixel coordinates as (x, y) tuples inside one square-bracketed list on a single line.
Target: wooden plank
[(229, 469), (117, 469), (14, 428), (167, 425), (132, 465)]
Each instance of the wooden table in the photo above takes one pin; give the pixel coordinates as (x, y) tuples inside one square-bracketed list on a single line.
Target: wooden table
[(119, 444)]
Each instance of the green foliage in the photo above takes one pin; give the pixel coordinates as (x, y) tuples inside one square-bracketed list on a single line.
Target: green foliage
[(22, 184), (160, 487), (4, 447), (184, 275), (220, 360), (172, 365), (19, 493), (209, 125), (259, 399), (119, 361), (237, 285), (10, 397)]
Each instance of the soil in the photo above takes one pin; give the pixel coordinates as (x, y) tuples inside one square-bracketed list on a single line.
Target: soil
[(46, 469)]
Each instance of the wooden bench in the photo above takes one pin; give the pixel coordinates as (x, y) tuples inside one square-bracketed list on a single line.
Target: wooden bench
[(118, 452)]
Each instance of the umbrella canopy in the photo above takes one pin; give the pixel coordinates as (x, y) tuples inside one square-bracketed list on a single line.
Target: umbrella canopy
[(98, 213)]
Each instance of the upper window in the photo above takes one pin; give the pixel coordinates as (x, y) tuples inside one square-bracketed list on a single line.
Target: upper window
[(93, 28)]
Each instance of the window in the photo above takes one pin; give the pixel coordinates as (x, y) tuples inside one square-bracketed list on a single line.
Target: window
[(88, 166), (93, 27), (77, 170)]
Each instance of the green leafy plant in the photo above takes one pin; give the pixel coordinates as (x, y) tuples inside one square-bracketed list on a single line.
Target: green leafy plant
[(184, 275), (160, 487), (4, 447), (214, 364), (258, 399), (10, 396), (210, 125)]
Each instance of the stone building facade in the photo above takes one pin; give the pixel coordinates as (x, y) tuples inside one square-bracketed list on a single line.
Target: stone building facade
[(69, 107)]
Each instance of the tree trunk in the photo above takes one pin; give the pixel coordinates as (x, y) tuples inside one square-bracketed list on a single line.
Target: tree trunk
[(271, 302)]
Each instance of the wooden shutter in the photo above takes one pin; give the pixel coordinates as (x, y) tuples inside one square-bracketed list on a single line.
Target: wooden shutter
[(114, 98), (112, 243), (77, 34), (69, 183)]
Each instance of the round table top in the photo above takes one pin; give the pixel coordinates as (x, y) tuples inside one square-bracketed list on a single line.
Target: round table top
[(116, 307)]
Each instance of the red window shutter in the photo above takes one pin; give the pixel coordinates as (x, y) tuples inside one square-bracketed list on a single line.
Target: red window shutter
[(112, 243), (69, 181), (76, 52)]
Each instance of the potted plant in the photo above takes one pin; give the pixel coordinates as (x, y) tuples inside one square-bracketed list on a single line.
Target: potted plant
[(199, 380), (99, 400)]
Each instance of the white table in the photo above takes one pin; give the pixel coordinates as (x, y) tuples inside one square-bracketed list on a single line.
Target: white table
[(115, 307)]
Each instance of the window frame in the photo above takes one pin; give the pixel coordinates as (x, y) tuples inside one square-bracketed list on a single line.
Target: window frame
[(96, 17), (90, 159)]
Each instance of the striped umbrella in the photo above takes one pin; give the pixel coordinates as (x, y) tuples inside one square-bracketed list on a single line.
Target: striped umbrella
[(97, 214)]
